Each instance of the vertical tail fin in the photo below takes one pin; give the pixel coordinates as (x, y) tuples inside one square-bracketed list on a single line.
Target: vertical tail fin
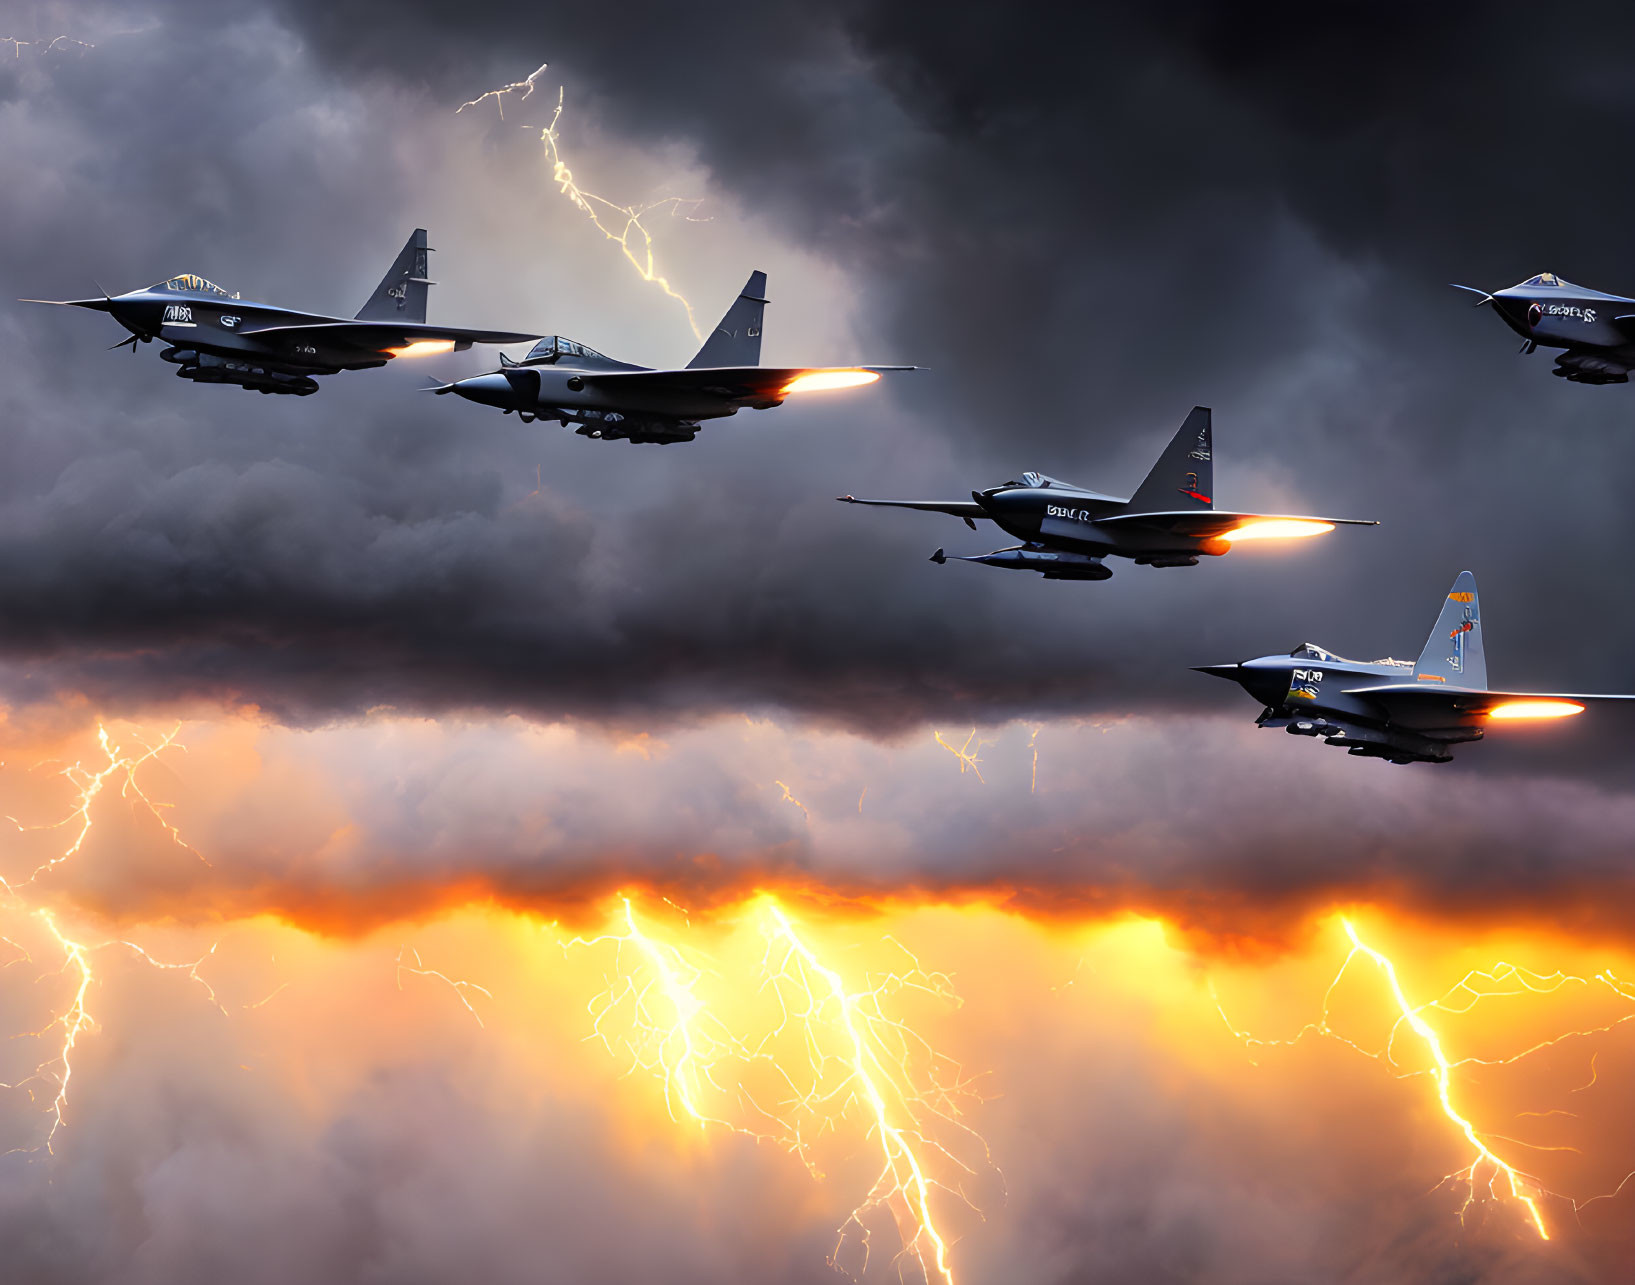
[(1453, 653), (401, 294), (1184, 477), (737, 340)]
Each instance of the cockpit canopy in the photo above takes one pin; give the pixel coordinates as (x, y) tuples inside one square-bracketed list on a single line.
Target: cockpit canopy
[(553, 347), (1311, 651), (1040, 481), (1544, 279), (190, 283)]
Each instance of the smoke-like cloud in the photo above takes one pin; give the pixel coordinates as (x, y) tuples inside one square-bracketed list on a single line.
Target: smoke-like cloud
[(348, 829)]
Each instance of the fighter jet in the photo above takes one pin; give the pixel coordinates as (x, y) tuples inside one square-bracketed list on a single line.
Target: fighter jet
[(1405, 711), (213, 337), (616, 401), (1170, 521), (1596, 331)]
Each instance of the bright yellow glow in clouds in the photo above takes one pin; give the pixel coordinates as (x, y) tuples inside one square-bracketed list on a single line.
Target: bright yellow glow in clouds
[(1277, 529), (915, 1086)]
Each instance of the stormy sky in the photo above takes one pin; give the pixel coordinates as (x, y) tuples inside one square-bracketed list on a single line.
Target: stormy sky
[(1078, 231), (431, 658)]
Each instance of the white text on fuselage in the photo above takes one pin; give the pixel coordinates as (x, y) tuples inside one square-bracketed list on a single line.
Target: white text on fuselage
[(1075, 515), (1586, 315)]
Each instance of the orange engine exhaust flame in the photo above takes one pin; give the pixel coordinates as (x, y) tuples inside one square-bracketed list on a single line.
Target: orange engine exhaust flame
[(422, 348), (816, 381), (1536, 709), (1277, 529)]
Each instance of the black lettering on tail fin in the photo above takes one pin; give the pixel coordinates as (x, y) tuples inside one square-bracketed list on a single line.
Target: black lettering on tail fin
[(1184, 477), (737, 340), (1453, 654), (401, 294)]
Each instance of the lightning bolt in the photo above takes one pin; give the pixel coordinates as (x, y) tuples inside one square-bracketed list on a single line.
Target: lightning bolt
[(1415, 1019), (790, 798), (1476, 986), (667, 1029), (418, 969), (621, 224), (966, 754), (75, 1021), (498, 95), (56, 42), (824, 1051), (91, 784)]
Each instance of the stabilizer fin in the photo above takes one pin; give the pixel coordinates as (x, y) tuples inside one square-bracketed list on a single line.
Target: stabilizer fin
[(1184, 477), (736, 341), (1453, 654), (401, 294)]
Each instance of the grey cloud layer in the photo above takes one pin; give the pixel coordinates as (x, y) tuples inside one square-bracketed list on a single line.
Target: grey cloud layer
[(353, 827)]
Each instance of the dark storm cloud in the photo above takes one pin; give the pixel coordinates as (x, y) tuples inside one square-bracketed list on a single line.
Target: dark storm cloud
[(1080, 226)]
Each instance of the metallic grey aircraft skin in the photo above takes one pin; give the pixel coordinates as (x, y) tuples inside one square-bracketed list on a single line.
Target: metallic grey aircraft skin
[(1595, 331), (613, 400), (1067, 531), (214, 337), (1404, 711)]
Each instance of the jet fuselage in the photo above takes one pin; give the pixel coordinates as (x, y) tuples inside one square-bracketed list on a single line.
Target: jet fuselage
[(1594, 330), (1313, 692)]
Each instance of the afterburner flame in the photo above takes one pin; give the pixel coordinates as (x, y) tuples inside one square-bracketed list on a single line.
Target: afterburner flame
[(1536, 709), (1277, 529), (818, 380), (422, 348)]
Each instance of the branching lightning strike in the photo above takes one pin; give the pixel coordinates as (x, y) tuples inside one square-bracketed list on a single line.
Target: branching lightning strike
[(621, 224), (459, 987), (45, 46), (75, 1020), (823, 1054), (967, 754), (1487, 1168)]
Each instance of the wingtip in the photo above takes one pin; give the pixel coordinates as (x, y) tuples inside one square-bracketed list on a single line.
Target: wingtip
[(846, 499), (939, 557)]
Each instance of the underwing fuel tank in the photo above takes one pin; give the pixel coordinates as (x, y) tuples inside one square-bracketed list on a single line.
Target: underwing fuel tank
[(1051, 563)]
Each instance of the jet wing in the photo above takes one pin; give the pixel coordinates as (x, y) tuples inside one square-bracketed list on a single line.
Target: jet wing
[(966, 509), (1439, 705), (1206, 524), (735, 383), (384, 335)]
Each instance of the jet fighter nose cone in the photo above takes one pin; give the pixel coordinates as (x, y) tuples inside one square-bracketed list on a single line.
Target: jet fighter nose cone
[(1232, 671), (486, 390)]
